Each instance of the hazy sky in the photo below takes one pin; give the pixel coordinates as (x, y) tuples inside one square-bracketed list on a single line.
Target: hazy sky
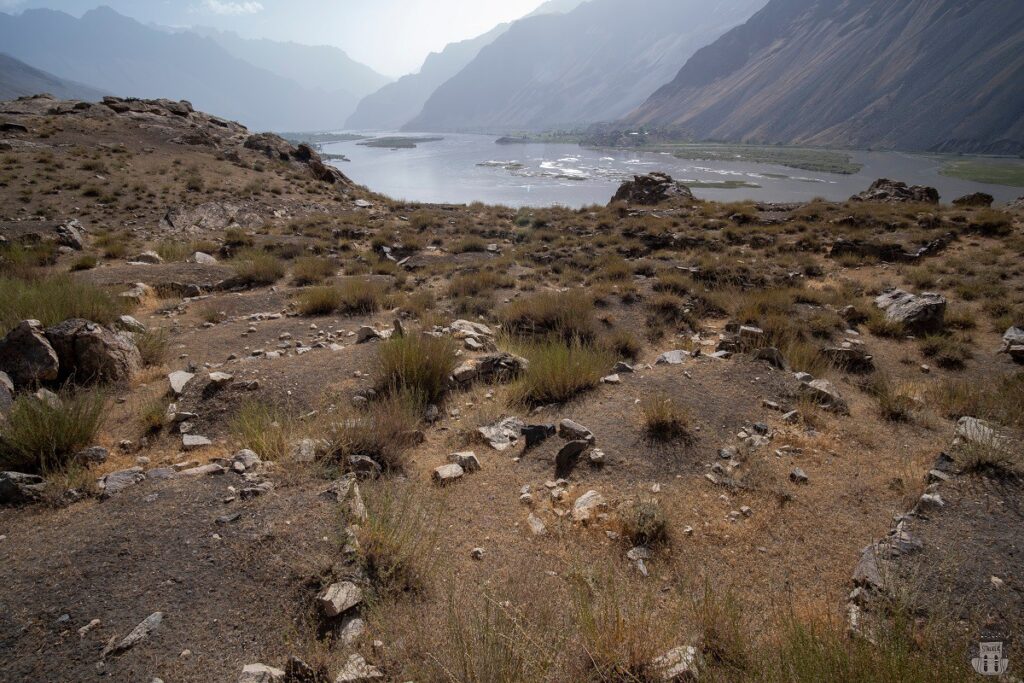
[(392, 36)]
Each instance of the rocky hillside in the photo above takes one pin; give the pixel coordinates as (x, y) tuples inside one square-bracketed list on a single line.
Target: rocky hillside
[(595, 63), (260, 425), (920, 75), (124, 57), (18, 79)]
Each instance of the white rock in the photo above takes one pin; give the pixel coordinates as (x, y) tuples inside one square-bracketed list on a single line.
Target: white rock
[(178, 381), (338, 598), (260, 673)]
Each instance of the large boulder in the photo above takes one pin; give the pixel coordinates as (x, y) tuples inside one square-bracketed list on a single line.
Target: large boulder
[(89, 352), (891, 191), (6, 394), (27, 356), (975, 199), (651, 189), (925, 312)]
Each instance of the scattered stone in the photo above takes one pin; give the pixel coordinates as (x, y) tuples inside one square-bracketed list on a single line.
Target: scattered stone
[(678, 664), (587, 506), (467, 460), (178, 380), (17, 488), (365, 334), (137, 635), (352, 631), (537, 527), (623, 366), (338, 598), (364, 467), (849, 358), (130, 324), (346, 492), (611, 379), (203, 470), (537, 434), (798, 476), (356, 670), (220, 379), (672, 358), (191, 442), (445, 474), (150, 257), (792, 417), (26, 356), (825, 394), (568, 456), (261, 673), (930, 501), (116, 482), (574, 431), (94, 455), (503, 434), (477, 553), (867, 573), (772, 356), (202, 259), (256, 490)]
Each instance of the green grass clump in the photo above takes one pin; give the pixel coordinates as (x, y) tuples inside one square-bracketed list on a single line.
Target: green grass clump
[(319, 300), (38, 436), (361, 296), (560, 370), (153, 346), (263, 429), (309, 270), (663, 419), (568, 315), (418, 364), (55, 299), (255, 268)]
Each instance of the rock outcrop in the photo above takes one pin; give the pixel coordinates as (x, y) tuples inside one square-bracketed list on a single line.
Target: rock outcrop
[(652, 189), (27, 356), (891, 191), (89, 352), (917, 313)]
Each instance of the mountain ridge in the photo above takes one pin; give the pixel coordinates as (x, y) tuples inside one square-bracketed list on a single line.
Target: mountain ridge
[(921, 75)]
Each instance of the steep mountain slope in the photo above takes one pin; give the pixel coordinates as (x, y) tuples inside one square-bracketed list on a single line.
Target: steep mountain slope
[(917, 74), (18, 79), (399, 102), (595, 63), (317, 67), (124, 57)]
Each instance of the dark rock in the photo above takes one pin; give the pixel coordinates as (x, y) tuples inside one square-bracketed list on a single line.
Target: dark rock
[(364, 466), (850, 358), (569, 455), (27, 356), (89, 352), (94, 455), (652, 189), (17, 488), (298, 671), (537, 434), (975, 199), (574, 431), (116, 482), (885, 190), (772, 356), (6, 394), (69, 235)]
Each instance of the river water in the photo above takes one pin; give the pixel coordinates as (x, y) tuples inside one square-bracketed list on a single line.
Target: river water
[(467, 168)]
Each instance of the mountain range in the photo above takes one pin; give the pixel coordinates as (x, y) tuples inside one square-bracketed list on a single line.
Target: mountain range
[(121, 56), (18, 78), (595, 63), (941, 75), (397, 103)]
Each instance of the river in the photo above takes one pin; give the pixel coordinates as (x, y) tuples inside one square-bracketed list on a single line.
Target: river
[(466, 168)]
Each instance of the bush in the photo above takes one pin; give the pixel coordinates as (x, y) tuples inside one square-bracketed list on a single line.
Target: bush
[(385, 431), (40, 437), (663, 419), (255, 268), (895, 404), (309, 270), (55, 299), (319, 300), (947, 351), (398, 540), (361, 296), (623, 343), (263, 429), (84, 262), (568, 315), (644, 523), (559, 371), (417, 364), (153, 346)]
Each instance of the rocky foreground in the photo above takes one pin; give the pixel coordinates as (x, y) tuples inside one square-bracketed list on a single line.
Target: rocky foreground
[(260, 424)]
